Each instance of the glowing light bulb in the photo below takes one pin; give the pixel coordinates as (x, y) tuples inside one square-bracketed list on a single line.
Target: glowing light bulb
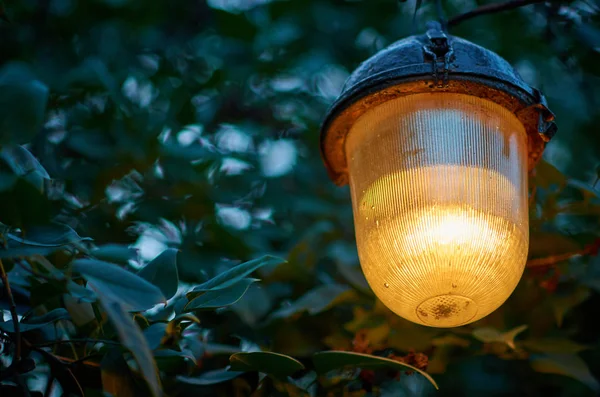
[(439, 190)]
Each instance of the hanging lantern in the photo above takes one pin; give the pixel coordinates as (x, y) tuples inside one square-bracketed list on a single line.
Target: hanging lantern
[(436, 136)]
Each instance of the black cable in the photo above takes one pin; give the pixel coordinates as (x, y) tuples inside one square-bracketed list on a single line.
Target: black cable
[(492, 8), (414, 20), (441, 15)]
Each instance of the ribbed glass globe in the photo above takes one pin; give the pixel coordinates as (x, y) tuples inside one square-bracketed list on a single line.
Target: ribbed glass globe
[(439, 191)]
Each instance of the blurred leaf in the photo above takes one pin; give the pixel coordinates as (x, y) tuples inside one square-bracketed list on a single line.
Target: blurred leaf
[(189, 153), (162, 272), (81, 312), (210, 377), (489, 335), (565, 364), (236, 273), (316, 301), (220, 297), (154, 334), (18, 250), (32, 323), (563, 303), (546, 244), (174, 359), (275, 364), (23, 164), (553, 345), (331, 360), (547, 175), (450, 340), (185, 317), (131, 291), (22, 103), (94, 68), (589, 34), (115, 253), (94, 145), (115, 374), (55, 235), (132, 338), (254, 305), (63, 373), (406, 386), (355, 276), (81, 293), (217, 348)]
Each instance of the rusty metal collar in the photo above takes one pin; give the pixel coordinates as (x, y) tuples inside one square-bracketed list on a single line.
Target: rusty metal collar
[(432, 62)]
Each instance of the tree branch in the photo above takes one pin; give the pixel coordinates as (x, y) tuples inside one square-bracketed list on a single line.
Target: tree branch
[(490, 9), (591, 249), (13, 312)]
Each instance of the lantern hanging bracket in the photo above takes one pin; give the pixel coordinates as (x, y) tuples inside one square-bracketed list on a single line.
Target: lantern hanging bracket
[(433, 62), (545, 117), (438, 49)]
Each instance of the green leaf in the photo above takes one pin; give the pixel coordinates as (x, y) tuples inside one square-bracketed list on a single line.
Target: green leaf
[(17, 250), (31, 323), (40, 240), (406, 386), (23, 101), (154, 334), (68, 382), (216, 349), (589, 34), (55, 235), (115, 253), (355, 276), (315, 301), (81, 293), (174, 361), (116, 376), (23, 164), (509, 336), (563, 303), (210, 377), (450, 340), (331, 360), (565, 364), (553, 345), (275, 364), (236, 273), (162, 272), (189, 153), (489, 335), (132, 338), (545, 244), (547, 175), (220, 297), (131, 291)]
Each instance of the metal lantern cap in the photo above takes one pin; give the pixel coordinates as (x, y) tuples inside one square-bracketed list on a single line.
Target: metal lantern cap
[(433, 62)]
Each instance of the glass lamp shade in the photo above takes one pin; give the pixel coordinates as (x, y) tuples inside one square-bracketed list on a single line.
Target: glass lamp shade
[(439, 192)]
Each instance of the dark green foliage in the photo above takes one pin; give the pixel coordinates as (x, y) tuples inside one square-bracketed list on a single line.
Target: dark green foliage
[(168, 228)]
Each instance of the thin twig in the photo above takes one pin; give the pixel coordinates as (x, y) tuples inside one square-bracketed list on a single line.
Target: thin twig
[(490, 9), (13, 312), (552, 259), (591, 249)]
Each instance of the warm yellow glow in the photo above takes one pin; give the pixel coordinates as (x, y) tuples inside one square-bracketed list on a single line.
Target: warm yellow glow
[(439, 192)]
